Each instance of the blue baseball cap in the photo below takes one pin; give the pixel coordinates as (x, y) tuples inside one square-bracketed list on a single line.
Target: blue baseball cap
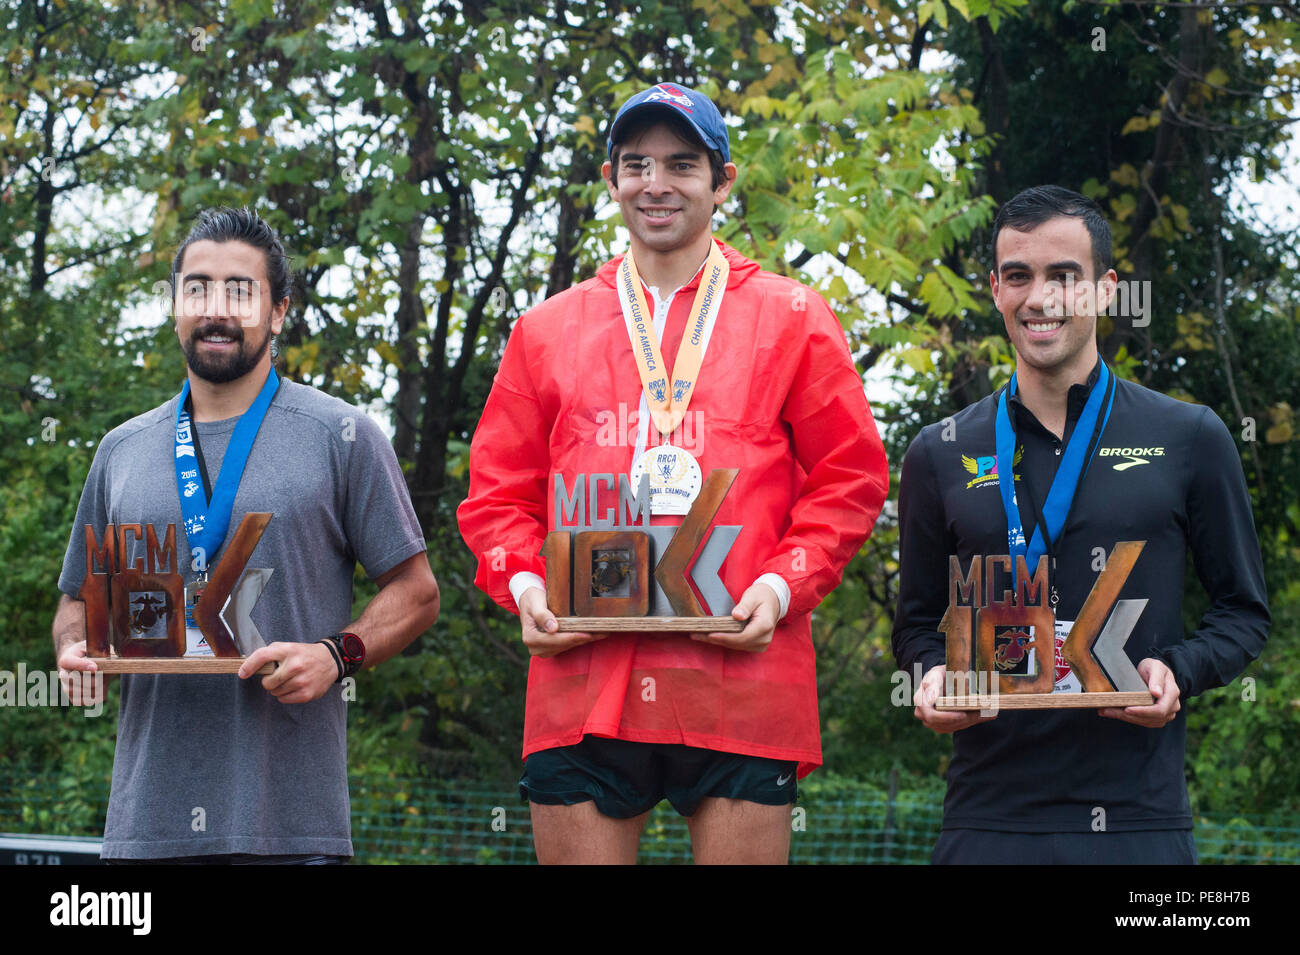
[(695, 107)]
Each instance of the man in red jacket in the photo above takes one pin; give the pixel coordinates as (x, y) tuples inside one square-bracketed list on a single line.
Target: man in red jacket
[(762, 381)]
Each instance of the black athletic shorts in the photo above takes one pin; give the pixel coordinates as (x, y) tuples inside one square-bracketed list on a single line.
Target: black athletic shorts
[(1144, 847), (625, 779)]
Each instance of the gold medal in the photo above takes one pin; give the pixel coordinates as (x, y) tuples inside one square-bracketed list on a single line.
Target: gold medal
[(675, 476), (668, 404)]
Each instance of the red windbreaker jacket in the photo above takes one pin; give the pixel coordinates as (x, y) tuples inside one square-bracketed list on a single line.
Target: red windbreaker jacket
[(779, 398)]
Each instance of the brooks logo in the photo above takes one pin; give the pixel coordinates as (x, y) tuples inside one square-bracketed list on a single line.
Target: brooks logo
[(1135, 456)]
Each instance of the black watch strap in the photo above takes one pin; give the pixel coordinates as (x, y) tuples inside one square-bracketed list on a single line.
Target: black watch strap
[(334, 652), (349, 652)]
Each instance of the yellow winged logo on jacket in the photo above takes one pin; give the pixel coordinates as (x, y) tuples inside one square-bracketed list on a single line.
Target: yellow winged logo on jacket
[(985, 467)]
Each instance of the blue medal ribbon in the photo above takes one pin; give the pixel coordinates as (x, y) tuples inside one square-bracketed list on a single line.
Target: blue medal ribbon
[(1074, 465), (206, 522)]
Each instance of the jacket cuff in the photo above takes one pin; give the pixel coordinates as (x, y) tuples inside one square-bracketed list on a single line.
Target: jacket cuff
[(1173, 658), (777, 583), (497, 567), (522, 581)]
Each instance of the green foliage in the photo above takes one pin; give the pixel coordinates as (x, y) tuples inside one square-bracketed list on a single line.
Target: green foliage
[(418, 157), (1221, 331), (1241, 737)]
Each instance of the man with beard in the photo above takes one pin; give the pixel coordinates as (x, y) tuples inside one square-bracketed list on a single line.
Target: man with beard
[(214, 768)]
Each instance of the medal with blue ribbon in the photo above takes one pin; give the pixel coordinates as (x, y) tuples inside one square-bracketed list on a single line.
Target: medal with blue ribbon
[(206, 521), (1076, 460)]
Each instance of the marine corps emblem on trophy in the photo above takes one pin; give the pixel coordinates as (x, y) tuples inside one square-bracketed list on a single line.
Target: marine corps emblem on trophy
[(142, 616), (1002, 646)]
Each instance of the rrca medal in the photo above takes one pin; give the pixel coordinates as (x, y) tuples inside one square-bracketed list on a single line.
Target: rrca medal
[(675, 478)]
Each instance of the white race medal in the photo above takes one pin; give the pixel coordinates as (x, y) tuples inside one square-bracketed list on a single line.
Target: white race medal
[(196, 644), (1066, 680), (675, 478)]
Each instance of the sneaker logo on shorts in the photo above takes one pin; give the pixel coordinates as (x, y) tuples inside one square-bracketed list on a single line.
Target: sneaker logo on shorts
[(782, 780)]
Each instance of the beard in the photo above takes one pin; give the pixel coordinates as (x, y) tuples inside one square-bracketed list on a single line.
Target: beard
[(220, 369)]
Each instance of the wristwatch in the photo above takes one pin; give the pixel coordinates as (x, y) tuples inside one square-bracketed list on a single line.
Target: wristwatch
[(349, 652)]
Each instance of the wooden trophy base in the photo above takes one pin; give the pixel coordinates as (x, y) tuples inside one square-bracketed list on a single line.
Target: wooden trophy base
[(1044, 701), (650, 624), (175, 665)]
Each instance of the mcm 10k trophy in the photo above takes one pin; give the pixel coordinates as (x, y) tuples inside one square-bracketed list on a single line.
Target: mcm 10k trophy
[(615, 572), (141, 615), (1002, 643)]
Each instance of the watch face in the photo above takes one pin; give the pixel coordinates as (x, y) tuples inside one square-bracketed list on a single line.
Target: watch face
[(353, 648)]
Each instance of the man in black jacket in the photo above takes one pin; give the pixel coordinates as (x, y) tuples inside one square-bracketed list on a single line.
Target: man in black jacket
[(1096, 461)]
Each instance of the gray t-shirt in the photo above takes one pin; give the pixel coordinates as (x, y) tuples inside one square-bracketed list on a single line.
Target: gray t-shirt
[(215, 764)]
